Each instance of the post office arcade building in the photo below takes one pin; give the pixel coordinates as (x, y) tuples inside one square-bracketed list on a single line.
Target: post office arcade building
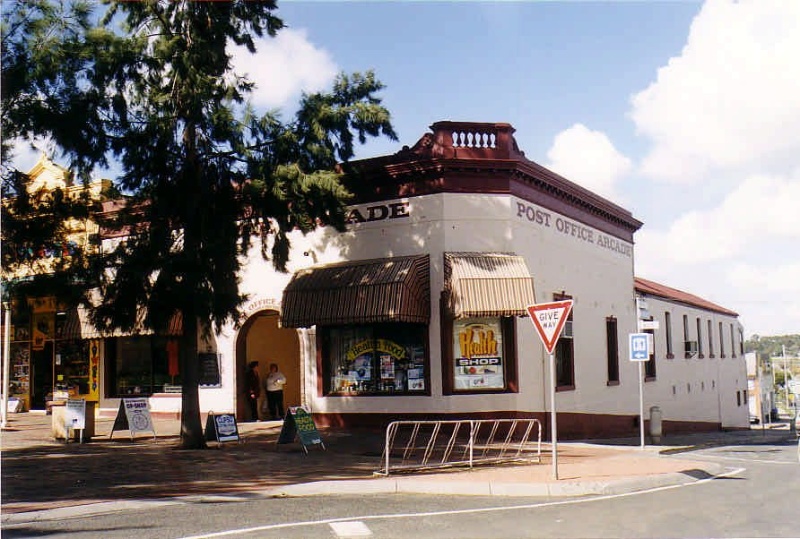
[(418, 310)]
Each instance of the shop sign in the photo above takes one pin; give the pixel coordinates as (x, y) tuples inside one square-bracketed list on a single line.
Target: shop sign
[(378, 212), (478, 362), (43, 329), (573, 229), (299, 424), (134, 416), (221, 428), (75, 414)]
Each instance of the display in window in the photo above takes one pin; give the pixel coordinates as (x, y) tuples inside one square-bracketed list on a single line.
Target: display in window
[(479, 362), (20, 379), (362, 363)]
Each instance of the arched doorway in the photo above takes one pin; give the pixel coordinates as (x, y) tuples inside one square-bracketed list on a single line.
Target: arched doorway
[(262, 339)]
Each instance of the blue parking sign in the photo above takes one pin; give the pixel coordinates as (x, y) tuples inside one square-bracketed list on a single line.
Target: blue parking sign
[(639, 346)]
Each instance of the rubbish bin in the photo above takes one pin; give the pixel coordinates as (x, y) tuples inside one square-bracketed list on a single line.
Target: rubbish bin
[(655, 424)]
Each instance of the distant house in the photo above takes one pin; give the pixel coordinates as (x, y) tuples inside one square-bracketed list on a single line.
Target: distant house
[(760, 388)]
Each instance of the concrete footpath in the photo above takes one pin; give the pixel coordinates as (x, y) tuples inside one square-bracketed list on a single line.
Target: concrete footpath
[(43, 478)]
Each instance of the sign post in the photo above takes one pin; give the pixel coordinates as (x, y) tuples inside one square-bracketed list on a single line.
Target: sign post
[(639, 347), (549, 320)]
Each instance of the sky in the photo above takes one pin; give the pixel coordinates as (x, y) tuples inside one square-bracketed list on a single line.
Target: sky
[(685, 113)]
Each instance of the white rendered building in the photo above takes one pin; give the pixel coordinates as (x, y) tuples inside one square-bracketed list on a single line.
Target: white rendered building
[(419, 309)]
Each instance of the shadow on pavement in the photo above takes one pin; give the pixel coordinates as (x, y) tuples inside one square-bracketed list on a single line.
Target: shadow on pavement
[(118, 469)]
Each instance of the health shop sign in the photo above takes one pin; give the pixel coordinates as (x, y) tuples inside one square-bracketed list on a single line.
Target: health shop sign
[(477, 344)]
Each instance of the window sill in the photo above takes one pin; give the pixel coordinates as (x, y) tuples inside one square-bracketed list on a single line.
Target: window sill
[(480, 392), (649, 378), (670, 356), (565, 388), (612, 383), (700, 356)]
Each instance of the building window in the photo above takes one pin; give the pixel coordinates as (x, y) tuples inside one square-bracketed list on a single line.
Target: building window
[(480, 360), (733, 343), (612, 350), (738, 398), (668, 330), (650, 364), (141, 366), (710, 340), (721, 341), (565, 353), (741, 342), (699, 339), (375, 359)]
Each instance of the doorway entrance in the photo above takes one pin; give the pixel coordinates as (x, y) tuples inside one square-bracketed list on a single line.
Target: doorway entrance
[(261, 339), (41, 376)]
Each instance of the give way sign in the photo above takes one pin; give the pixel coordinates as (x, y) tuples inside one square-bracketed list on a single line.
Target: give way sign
[(549, 320)]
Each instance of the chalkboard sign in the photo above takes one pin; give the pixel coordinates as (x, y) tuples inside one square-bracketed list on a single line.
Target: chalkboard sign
[(221, 428), (299, 424), (209, 369)]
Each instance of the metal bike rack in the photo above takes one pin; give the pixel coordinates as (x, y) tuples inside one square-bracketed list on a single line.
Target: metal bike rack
[(420, 445)]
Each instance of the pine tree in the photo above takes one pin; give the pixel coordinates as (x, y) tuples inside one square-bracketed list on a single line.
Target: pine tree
[(47, 64), (206, 174)]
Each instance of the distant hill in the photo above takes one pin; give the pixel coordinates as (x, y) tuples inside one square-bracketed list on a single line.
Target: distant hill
[(772, 346)]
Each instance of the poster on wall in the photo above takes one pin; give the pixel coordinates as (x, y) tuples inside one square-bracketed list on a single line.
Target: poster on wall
[(20, 374), (478, 361)]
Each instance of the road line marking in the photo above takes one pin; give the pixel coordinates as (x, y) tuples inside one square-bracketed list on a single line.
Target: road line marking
[(350, 528), (496, 509)]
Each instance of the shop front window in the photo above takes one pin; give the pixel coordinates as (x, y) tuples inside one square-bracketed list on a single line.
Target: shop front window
[(377, 359), (140, 366), (478, 362)]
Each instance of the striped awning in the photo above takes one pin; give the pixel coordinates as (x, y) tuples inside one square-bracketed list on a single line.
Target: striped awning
[(369, 291), (78, 325), (487, 284)]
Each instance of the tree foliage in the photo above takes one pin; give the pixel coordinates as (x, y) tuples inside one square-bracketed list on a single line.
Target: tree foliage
[(205, 175), (48, 64), (773, 346)]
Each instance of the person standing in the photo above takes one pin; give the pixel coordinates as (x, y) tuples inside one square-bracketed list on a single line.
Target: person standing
[(252, 389), (274, 388)]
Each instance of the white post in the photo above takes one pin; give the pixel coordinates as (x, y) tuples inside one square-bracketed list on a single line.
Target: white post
[(641, 405), (785, 378), (6, 361), (553, 428)]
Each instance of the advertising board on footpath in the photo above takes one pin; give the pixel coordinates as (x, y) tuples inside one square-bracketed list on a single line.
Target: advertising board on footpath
[(299, 424), (75, 416), (134, 416), (221, 428)]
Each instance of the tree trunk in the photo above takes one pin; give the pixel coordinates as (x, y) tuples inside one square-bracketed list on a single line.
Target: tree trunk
[(191, 427)]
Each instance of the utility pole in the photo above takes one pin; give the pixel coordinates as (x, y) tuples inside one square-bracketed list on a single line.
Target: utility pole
[(785, 377)]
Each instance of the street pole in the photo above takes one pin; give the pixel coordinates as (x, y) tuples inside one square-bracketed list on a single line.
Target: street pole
[(6, 361), (641, 406), (553, 428), (785, 378)]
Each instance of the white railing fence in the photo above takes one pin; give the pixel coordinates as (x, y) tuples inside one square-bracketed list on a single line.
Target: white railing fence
[(420, 445)]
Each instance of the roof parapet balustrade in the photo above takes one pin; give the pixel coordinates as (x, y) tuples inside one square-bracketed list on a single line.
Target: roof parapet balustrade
[(474, 140)]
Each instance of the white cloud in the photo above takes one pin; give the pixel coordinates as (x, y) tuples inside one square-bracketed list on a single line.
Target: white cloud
[(589, 159), (760, 207), (730, 100), (283, 67), (742, 253)]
